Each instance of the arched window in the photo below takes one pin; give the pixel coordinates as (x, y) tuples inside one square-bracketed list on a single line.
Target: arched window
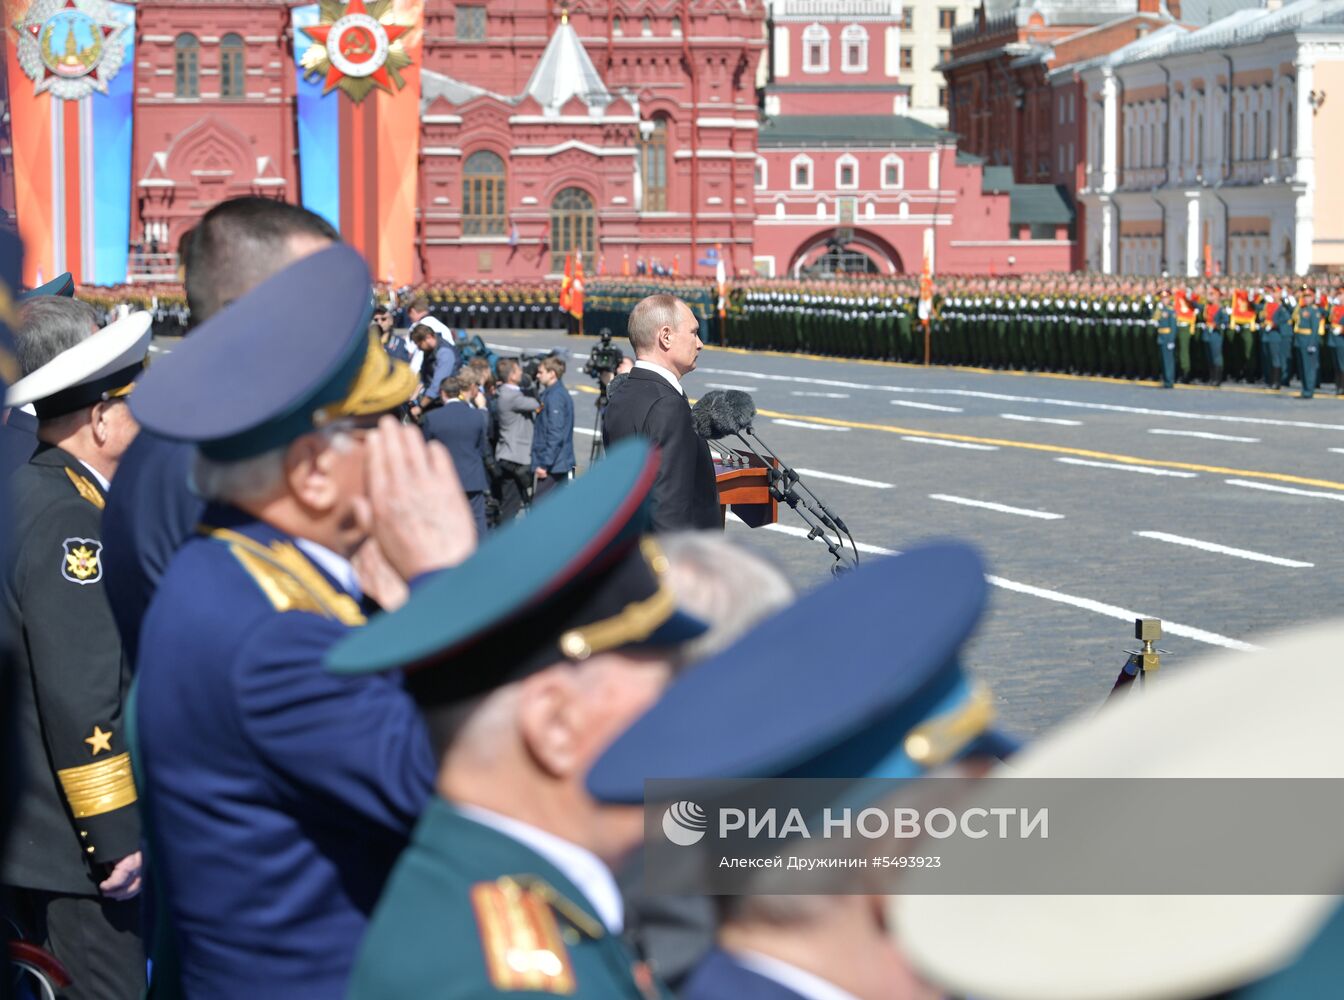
[(816, 49), (187, 66), (646, 26), (653, 165), (1290, 143), (617, 25), (676, 27), (573, 226), (761, 175), (800, 173), (483, 194), (232, 82), (847, 173), (854, 50)]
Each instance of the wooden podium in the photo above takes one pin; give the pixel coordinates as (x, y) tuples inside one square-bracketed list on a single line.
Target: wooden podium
[(745, 489)]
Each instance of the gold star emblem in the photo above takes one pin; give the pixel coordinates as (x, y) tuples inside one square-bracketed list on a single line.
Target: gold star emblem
[(99, 741)]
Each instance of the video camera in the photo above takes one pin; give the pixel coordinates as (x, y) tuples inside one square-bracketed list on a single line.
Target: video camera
[(604, 358)]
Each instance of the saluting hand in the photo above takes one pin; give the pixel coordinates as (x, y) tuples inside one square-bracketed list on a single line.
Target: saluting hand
[(415, 507)]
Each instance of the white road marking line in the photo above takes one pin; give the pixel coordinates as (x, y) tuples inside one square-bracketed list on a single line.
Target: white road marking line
[(852, 480), (1124, 614), (926, 406), (1082, 603), (969, 446), (1338, 451), (1284, 489), (831, 383), (586, 430), (1226, 550), (822, 395), (573, 392), (725, 385), (1043, 515), (1041, 420), (806, 426), (1147, 470), (1205, 435)]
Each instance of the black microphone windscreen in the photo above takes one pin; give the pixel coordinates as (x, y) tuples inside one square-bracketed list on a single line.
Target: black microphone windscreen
[(742, 407), (702, 414)]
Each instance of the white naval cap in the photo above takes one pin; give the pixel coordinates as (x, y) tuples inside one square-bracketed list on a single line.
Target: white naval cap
[(102, 366), (1272, 713)]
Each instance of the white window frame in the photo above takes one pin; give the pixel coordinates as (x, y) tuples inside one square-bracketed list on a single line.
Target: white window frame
[(889, 160), (847, 161), (764, 166), (854, 34), (800, 160), (812, 34)]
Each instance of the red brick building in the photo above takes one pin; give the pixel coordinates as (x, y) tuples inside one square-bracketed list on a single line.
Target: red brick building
[(214, 115)]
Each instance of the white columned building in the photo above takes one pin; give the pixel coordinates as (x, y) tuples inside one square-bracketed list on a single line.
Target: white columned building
[(1203, 146)]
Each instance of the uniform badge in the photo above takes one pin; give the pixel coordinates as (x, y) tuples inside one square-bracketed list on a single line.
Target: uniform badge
[(70, 48), (81, 563), (521, 939), (357, 47)]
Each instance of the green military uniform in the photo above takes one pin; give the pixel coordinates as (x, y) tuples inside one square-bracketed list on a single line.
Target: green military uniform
[(471, 912), (1164, 318)]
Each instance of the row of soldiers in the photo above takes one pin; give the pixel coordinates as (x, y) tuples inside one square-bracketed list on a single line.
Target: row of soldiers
[(1089, 327)]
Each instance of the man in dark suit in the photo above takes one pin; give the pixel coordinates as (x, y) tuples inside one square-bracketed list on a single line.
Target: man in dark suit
[(651, 403), (460, 427)]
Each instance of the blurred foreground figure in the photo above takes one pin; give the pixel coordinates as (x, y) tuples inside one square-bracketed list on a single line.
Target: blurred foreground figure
[(72, 868), (1271, 714)]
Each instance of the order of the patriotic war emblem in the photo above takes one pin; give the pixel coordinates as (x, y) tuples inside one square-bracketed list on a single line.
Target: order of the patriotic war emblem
[(82, 561), (357, 47), (70, 48)]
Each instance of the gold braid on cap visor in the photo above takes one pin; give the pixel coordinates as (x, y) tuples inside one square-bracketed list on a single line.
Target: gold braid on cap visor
[(940, 739), (634, 623), (383, 384)]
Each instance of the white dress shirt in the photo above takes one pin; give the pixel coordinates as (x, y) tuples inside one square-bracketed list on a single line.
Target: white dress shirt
[(672, 379), (581, 866), (337, 567), (102, 481), (790, 976)]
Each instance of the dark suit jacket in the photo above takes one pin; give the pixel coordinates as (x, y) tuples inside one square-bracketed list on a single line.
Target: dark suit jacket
[(685, 495), (460, 427), (721, 977)]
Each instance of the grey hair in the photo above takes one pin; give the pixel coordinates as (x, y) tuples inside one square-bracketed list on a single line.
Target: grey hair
[(649, 316), (252, 479), (725, 585), (50, 325)]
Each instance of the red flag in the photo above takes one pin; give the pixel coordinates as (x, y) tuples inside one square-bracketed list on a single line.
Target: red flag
[(625, 265), (576, 290), (602, 265), (676, 263), (566, 282)]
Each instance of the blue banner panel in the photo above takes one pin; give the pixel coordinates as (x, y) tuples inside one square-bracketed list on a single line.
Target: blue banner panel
[(106, 119), (319, 131)]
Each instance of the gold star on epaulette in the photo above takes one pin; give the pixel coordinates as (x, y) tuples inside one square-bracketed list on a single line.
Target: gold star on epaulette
[(99, 741)]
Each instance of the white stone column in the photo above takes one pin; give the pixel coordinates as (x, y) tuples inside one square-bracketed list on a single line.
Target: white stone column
[(1109, 95), (1194, 250), (1108, 236), (1304, 232), (1304, 120)]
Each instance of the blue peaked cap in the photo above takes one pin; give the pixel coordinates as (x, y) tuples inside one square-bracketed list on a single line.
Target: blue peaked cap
[(859, 678)]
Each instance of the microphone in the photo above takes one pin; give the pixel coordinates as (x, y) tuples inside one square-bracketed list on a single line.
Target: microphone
[(733, 411)]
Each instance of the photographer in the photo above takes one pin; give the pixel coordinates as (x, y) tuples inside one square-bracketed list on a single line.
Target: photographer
[(514, 411), (553, 435)]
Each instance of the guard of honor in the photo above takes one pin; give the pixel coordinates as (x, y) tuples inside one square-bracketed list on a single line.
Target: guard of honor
[(427, 800)]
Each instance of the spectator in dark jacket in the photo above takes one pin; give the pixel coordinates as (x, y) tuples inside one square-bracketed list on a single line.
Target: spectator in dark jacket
[(553, 432), (460, 427), (440, 363)]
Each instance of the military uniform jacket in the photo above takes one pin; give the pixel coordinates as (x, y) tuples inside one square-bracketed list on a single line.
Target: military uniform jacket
[(78, 807), (719, 976), (470, 912), (277, 796)]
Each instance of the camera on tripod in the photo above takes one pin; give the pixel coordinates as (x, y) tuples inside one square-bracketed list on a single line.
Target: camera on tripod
[(604, 359)]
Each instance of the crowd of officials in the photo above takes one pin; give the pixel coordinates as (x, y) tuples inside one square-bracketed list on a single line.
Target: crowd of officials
[(286, 717)]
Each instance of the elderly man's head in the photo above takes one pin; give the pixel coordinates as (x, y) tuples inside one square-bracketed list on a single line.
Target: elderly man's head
[(664, 331), (97, 434)]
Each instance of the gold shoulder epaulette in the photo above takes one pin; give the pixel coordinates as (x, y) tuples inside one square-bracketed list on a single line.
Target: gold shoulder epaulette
[(86, 489), (289, 581), (521, 939)]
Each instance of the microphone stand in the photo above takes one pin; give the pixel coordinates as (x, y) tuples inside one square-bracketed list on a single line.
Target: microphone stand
[(790, 478), (781, 482)]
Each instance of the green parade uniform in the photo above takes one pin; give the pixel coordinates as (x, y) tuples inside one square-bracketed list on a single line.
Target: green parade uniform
[(1215, 328), (450, 924)]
